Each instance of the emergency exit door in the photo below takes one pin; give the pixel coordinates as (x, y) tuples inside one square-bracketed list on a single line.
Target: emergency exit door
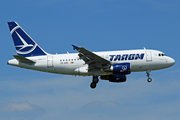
[(50, 61)]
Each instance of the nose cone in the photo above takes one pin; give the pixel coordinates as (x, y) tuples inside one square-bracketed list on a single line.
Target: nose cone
[(171, 61)]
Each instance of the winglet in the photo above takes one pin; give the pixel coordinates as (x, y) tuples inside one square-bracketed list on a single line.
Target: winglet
[(74, 47)]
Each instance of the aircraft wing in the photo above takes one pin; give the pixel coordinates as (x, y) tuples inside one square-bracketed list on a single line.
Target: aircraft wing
[(90, 58)]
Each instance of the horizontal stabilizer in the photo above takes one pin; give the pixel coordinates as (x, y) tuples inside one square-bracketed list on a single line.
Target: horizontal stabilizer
[(23, 59)]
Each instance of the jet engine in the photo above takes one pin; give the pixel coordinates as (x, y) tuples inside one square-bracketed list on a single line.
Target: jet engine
[(119, 69), (114, 78)]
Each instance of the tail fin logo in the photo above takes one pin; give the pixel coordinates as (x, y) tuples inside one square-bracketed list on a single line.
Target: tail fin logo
[(24, 42), (22, 45)]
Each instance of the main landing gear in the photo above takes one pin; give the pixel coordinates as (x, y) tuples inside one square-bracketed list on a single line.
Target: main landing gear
[(149, 79), (94, 82)]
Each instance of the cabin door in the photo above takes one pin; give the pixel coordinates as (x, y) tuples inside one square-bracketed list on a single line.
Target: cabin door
[(148, 56)]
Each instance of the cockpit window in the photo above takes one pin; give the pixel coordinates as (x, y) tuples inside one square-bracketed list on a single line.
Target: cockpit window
[(162, 54)]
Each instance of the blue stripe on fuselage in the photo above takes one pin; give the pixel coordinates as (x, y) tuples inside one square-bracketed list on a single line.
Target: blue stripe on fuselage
[(126, 57)]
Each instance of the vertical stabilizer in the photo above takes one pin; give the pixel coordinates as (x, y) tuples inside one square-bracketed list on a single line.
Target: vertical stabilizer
[(24, 44)]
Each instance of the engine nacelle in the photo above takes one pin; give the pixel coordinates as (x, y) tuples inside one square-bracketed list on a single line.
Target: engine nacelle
[(121, 68), (114, 78)]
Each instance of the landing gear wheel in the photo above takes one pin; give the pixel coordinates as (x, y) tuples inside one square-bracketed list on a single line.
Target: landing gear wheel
[(149, 80), (148, 74), (95, 80), (93, 85)]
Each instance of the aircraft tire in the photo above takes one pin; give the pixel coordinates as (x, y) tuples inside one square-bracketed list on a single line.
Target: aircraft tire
[(93, 85), (95, 80), (149, 80)]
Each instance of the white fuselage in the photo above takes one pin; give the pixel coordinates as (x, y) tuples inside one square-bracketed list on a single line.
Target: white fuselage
[(70, 64)]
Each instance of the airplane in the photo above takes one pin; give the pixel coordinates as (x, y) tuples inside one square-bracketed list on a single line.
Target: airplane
[(113, 66)]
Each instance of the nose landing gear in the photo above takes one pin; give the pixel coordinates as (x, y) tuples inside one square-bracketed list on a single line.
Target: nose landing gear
[(149, 80), (148, 74), (94, 82)]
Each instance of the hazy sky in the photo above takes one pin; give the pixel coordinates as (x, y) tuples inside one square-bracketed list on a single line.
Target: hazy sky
[(97, 25)]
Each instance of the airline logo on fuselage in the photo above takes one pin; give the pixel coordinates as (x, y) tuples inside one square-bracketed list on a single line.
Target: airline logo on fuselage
[(126, 57)]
